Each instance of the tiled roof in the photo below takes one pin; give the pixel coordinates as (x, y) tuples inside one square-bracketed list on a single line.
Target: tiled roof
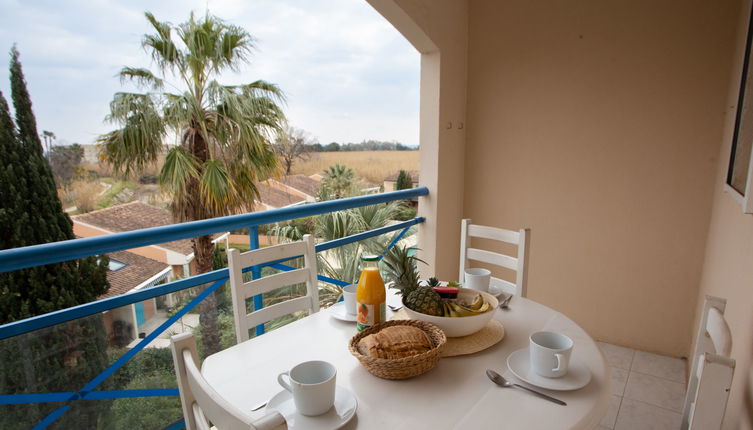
[(302, 183), (393, 177), (276, 198), (138, 270), (134, 216)]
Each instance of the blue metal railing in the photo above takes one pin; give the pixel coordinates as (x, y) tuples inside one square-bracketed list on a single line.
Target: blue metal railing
[(19, 258)]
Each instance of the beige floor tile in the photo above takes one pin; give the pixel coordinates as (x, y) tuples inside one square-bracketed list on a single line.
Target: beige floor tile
[(617, 356), (655, 391), (659, 365), (619, 379), (611, 416), (635, 415)]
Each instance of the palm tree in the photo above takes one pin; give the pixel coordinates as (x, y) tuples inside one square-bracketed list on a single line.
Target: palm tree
[(48, 137), (222, 131), (337, 183)]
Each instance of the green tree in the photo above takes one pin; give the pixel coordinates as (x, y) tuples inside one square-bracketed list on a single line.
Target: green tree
[(338, 182), (66, 356), (223, 130), (404, 181)]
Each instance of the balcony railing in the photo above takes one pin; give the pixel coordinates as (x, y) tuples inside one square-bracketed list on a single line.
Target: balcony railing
[(28, 329)]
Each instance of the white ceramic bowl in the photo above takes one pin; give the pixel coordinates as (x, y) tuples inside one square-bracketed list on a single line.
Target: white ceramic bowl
[(459, 326)]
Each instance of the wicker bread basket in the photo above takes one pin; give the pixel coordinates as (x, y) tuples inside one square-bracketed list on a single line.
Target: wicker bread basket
[(401, 368)]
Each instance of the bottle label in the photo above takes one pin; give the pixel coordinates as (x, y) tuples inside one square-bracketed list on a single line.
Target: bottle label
[(369, 315)]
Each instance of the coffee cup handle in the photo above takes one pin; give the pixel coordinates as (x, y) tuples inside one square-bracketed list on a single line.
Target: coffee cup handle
[(560, 359), (282, 382)]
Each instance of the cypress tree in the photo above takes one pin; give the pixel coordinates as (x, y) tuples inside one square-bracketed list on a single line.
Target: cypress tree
[(66, 356), (404, 181)]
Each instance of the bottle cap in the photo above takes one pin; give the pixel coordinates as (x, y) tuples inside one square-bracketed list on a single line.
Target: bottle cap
[(370, 257)]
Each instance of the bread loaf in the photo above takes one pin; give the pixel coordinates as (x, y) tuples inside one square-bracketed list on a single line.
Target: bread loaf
[(396, 341)]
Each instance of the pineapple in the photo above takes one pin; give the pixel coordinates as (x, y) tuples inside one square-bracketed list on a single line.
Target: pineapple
[(401, 269), (433, 282), (425, 300)]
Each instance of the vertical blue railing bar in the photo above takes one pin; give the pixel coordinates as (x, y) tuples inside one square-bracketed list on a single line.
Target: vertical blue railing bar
[(253, 235)]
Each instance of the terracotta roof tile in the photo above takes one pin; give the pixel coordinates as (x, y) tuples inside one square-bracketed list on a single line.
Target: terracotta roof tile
[(302, 183), (276, 198), (134, 216), (138, 270)]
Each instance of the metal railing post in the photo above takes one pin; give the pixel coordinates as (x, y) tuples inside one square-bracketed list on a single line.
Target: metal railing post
[(253, 235)]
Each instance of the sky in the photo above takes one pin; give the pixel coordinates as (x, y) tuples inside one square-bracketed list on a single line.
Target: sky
[(347, 74)]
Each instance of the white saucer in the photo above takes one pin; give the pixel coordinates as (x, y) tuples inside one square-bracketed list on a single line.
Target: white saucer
[(339, 415), (578, 374), (338, 311)]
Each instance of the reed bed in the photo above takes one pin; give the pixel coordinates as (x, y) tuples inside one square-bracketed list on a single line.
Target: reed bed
[(371, 166)]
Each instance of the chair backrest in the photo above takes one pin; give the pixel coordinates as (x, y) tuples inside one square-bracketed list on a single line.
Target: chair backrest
[(518, 263), (202, 405), (243, 290), (712, 371)]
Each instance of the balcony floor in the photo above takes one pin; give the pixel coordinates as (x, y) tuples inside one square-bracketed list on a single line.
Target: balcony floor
[(648, 390)]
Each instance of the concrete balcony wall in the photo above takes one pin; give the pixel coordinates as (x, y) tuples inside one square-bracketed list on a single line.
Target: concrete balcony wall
[(603, 125), (598, 125), (728, 264)]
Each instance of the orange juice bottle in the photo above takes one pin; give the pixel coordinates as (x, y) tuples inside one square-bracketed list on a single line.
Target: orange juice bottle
[(370, 295)]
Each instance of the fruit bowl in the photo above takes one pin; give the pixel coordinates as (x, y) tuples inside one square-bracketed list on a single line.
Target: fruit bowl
[(459, 326)]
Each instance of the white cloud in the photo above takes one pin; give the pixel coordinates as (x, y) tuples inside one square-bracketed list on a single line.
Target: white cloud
[(347, 74)]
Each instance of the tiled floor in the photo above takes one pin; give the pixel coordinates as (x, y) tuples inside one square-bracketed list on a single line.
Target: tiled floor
[(647, 390)]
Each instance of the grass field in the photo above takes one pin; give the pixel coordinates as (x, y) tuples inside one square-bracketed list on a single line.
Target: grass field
[(372, 166)]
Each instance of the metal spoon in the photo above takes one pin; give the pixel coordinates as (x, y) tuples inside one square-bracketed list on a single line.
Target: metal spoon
[(505, 302), (502, 382), (395, 308)]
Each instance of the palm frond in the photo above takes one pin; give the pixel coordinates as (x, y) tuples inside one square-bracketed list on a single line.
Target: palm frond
[(216, 186), (139, 141), (179, 169), (143, 78), (160, 46)]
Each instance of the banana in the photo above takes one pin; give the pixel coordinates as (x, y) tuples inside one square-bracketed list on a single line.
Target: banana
[(480, 308), (478, 302), (457, 309)]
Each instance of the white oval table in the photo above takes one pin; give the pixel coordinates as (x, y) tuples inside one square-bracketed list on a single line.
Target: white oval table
[(454, 395)]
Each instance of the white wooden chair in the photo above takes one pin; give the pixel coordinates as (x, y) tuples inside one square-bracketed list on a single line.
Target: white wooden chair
[(711, 375), (202, 405), (519, 263), (241, 290)]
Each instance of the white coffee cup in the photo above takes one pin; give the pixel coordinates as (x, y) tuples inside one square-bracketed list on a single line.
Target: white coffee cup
[(349, 297), (550, 353), (477, 279), (312, 384)]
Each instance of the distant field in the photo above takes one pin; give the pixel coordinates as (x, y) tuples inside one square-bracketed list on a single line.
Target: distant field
[(372, 166)]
